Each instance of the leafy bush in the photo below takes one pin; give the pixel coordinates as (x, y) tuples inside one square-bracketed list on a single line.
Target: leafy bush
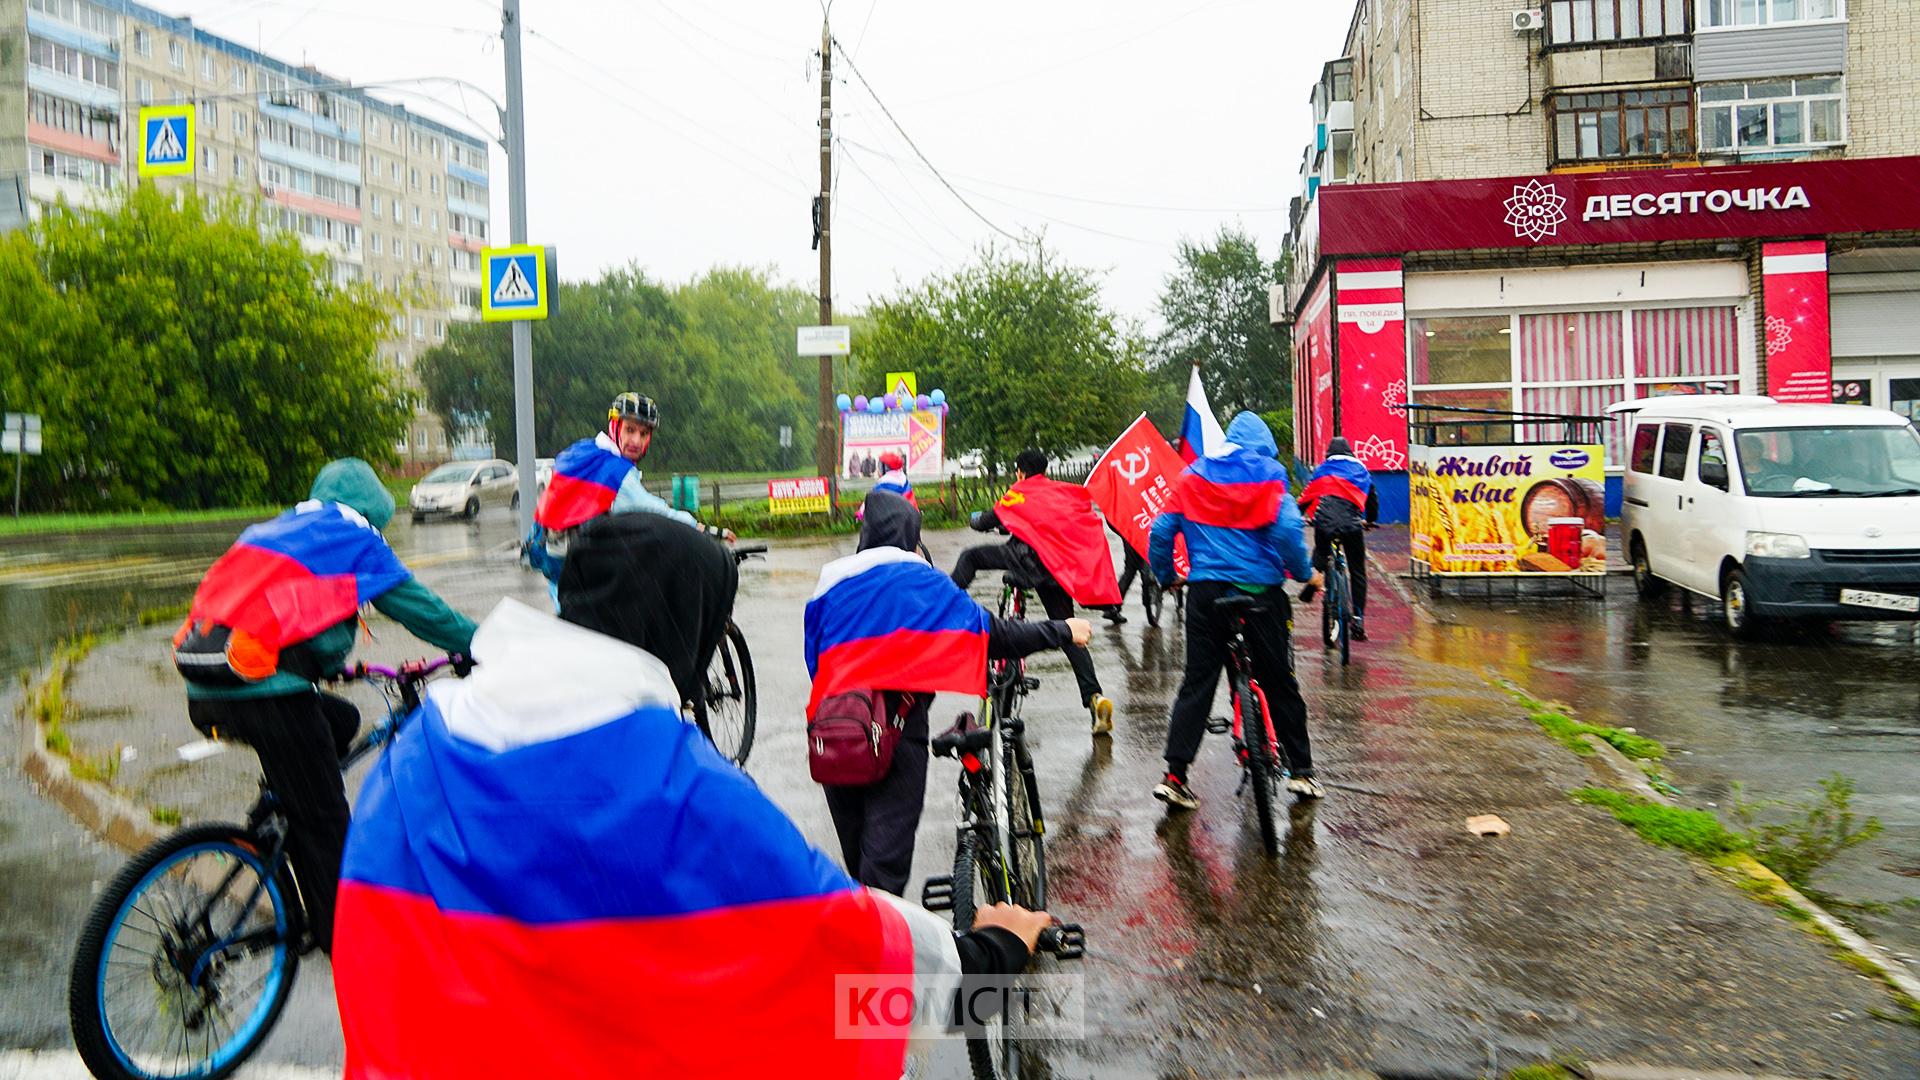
[(1824, 827)]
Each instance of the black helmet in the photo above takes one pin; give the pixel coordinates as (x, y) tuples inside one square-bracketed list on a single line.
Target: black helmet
[(632, 406)]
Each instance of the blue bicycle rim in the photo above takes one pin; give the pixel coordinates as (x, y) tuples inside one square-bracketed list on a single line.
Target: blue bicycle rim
[(250, 1028)]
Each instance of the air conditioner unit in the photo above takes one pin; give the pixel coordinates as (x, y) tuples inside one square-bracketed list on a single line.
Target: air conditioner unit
[(1529, 20)]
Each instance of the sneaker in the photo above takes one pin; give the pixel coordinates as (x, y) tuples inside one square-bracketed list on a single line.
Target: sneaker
[(1306, 787), (1102, 709), (1175, 793), (1358, 628), (1115, 617)]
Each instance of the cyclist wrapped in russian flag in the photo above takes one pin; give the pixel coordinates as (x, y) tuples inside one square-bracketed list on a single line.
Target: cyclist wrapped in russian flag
[(1342, 504), (1243, 536), (893, 478), (552, 873), (883, 621)]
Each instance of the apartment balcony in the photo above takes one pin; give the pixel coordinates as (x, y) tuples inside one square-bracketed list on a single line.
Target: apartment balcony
[(1764, 52)]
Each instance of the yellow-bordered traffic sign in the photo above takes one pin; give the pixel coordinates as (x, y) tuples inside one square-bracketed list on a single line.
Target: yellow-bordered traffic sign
[(166, 140), (516, 282)]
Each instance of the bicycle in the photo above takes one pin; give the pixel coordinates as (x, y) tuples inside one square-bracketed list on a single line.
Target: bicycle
[(726, 712), (217, 911), (1336, 611), (1260, 756), (1004, 853)]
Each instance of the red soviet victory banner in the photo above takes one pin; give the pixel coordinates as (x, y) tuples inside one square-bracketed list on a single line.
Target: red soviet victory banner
[(1132, 483), (1057, 521)]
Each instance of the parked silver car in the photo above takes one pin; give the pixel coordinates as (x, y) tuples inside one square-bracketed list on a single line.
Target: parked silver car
[(463, 488)]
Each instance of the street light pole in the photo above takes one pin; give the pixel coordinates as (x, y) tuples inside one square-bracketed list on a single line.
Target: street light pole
[(826, 452), (515, 125)]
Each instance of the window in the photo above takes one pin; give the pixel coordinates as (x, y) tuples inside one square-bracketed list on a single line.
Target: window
[(81, 14), (177, 55), (1722, 13), (440, 331), (71, 116), (396, 211), (418, 254), (1396, 71), (435, 218), (239, 76), (209, 116), (1677, 350), (1471, 349), (376, 244), (374, 205), (393, 135), (143, 91), (239, 165), (143, 43), (419, 327), (1645, 438), (433, 257), (1775, 113), (1573, 22), (416, 213), (208, 161), (1624, 124), (413, 178), (1713, 459), (66, 61), (435, 143), (1673, 451), (67, 167), (206, 66), (433, 183)]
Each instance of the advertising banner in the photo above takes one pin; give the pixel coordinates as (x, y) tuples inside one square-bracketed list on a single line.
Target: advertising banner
[(1373, 363), (1313, 342), (1509, 509), (919, 437), (1795, 198), (800, 495), (1799, 361), (1132, 483)]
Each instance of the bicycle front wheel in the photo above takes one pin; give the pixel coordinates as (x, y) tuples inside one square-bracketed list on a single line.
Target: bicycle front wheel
[(1263, 771), (1340, 603), (729, 701), (185, 960)]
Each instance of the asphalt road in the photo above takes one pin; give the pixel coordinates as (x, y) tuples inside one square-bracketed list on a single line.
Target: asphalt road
[(1384, 937)]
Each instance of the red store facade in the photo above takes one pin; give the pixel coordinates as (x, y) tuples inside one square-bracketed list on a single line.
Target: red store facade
[(1567, 292)]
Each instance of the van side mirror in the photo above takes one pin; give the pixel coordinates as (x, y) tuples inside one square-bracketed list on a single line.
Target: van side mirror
[(1714, 474)]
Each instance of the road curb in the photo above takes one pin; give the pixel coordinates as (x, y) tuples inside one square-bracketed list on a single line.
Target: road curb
[(95, 806), (1622, 768)]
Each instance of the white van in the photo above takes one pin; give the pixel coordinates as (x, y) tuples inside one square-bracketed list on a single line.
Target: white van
[(1775, 511)]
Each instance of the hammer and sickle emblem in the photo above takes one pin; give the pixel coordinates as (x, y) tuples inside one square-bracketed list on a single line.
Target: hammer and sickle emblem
[(1132, 467)]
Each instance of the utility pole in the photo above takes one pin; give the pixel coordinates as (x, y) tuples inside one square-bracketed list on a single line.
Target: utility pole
[(515, 123), (826, 449)]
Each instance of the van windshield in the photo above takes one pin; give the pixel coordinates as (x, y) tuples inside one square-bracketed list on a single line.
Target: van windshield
[(1830, 462)]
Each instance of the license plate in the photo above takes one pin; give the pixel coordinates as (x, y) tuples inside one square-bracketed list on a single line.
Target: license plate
[(1884, 601)]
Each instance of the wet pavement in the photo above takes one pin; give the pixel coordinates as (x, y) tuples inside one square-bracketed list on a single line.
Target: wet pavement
[(1384, 937)]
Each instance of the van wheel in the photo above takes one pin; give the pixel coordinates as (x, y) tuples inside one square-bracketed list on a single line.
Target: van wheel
[(1736, 612), (473, 507), (1644, 583)]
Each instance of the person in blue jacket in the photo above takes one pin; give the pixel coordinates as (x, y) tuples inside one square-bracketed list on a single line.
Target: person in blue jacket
[(1244, 536)]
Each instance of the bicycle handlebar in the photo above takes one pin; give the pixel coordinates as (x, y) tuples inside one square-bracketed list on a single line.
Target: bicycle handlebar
[(410, 671), (743, 552)]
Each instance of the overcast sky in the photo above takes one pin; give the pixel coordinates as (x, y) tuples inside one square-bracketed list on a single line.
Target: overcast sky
[(681, 133)]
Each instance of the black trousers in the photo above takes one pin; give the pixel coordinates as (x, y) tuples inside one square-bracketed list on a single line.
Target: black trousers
[(1134, 566), (1356, 544), (299, 739), (1270, 646), (876, 822), (1053, 598)]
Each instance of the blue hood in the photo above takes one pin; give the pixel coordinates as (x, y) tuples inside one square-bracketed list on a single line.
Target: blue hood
[(1250, 431)]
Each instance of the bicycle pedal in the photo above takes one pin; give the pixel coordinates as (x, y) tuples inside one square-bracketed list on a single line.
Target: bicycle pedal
[(1066, 941), (1029, 684), (1219, 725), (937, 893)]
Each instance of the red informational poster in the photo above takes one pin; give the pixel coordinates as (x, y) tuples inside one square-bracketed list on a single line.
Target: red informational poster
[(1316, 342), (1132, 483), (1373, 362), (1798, 330)]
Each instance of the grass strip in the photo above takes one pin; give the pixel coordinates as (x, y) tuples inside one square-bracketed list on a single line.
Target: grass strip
[(1695, 831)]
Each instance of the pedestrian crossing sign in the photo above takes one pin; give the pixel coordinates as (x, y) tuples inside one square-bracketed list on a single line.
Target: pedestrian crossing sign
[(166, 140), (516, 282)]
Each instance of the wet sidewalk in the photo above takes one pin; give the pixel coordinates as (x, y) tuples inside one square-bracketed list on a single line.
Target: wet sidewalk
[(1385, 938)]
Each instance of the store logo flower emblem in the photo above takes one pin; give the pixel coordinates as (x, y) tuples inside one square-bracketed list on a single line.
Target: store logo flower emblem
[(1380, 453), (1779, 335), (1395, 397), (1535, 211)]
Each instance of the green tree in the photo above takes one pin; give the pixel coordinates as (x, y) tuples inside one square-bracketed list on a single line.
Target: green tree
[(184, 355), (1023, 348), (1214, 309), (715, 353)]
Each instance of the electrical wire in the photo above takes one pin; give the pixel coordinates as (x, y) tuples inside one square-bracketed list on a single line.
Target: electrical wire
[(888, 199), (916, 149), (871, 8)]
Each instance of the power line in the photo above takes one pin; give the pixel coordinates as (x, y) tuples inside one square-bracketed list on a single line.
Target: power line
[(862, 37), (916, 150), (888, 199)]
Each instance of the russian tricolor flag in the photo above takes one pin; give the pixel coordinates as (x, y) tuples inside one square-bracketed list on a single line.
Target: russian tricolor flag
[(885, 620), (1200, 434), (286, 580), (1240, 489), (1342, 477), (552, 874), (586, 477)]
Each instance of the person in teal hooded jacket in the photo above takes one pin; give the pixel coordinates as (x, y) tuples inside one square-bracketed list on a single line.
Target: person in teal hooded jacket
[(277, 612)]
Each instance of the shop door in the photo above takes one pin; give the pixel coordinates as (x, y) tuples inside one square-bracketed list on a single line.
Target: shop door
[(1902, 386)]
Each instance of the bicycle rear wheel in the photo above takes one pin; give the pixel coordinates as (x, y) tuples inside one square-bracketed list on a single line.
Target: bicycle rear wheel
[(185, 960), (1341, 603), (1263, 769), (1152, 598), (1026, 847), (729, 705)]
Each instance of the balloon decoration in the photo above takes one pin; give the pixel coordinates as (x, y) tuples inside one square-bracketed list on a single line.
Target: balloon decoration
[(939, 397), (843, 403), (922, 402), (859, 403), (880, 404)]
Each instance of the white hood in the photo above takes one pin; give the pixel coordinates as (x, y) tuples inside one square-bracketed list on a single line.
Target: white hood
[(537, 677)]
